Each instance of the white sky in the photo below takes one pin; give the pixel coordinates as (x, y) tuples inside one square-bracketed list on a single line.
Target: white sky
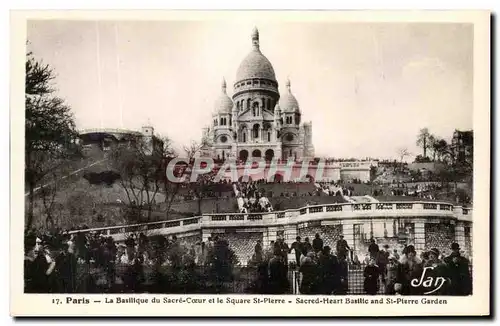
[(367, 88)]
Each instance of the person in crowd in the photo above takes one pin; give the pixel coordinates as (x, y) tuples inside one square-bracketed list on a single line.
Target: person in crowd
[(438, 269), (383, 260), (31, 270), (458, 272), (306, 246), (198, 252), (297, 247), (310, 273), (371, 275), (65, 270), (342, 248), (391, 277), (270, 251), (424, 257), (410, 267), (278, 281), (259, 254), (328, 269), (373, 249), (395, 254), (397, 289), (317, 243), (282, 248)]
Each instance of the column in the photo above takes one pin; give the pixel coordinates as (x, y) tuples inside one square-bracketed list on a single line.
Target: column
[(460, 234), (419, 227)]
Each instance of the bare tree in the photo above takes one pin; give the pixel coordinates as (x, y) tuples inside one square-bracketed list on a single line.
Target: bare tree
[(423, 140), (200, 186), (402, 153), (140, 164)]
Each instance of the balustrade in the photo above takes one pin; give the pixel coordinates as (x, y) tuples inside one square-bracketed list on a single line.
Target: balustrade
[(382, 206), (236, 217), (404, 206), (344, 210), (218, 217), (430, 206), (336, 208), (315, 209), (255, 217)]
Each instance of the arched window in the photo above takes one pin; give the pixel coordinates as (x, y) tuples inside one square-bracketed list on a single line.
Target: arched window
[(255, 131), (269, 136), (253, 112), (248, 103), (269, 104), (221, 121), (263, 103), (244, 136)]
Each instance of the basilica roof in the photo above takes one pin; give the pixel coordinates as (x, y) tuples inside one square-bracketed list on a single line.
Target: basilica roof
[(288, 102), (223, 104), (255, 64)]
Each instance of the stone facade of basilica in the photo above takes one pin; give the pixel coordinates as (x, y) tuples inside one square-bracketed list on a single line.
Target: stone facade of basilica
[(257, 121)]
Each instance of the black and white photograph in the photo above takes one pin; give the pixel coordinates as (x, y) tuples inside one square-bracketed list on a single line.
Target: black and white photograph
[(290, 159)]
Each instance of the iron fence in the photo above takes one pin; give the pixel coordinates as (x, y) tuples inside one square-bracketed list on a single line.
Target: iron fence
[(196, 279)]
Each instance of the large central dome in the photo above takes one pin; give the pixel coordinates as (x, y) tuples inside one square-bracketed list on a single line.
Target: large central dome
[(255, 65)]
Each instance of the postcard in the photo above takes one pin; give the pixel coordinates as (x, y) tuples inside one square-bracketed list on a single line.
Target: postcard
[(250, 163)]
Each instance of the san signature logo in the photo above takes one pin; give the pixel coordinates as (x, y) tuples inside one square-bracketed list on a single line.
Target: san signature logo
[(428, 282)]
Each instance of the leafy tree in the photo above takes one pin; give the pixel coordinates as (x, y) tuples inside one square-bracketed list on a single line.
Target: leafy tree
[(49, 130), (440, 148)]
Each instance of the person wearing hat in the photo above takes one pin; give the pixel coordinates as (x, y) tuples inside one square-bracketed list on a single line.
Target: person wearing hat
[(409, 268), (458, 271), (371, 277), (437, 269)]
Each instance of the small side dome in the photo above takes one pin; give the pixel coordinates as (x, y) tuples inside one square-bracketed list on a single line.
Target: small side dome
[(288, 102), (223, 104), (277, 110)]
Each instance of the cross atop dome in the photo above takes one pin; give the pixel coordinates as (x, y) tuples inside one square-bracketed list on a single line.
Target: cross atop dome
[(255, 38), (288, 84)]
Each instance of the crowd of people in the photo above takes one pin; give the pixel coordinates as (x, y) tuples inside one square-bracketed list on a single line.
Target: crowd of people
[(334, 189), (94, 263), (250, 199), (323, 271), (64, 262)]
